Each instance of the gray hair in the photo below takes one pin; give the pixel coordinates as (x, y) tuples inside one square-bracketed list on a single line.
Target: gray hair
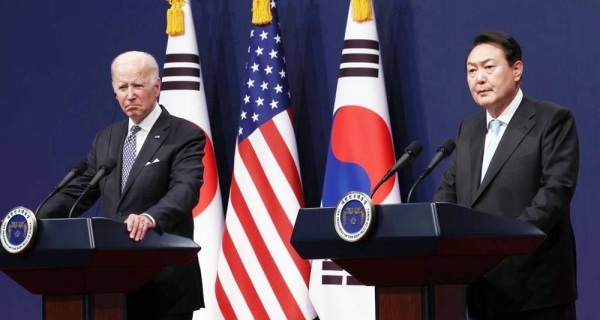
[(150, 64)]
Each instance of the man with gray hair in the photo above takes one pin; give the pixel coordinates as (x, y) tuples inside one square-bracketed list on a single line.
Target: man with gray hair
[(155, 185)]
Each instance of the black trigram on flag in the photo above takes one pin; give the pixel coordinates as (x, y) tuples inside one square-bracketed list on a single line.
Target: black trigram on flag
[(181, 72), (360, 58), (334, 275)]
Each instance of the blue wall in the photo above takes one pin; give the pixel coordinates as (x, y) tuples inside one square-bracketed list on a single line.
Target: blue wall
[(55, 87)]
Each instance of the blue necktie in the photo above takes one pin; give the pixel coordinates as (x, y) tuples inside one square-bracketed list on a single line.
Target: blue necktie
[(129, 154), (494, 128)]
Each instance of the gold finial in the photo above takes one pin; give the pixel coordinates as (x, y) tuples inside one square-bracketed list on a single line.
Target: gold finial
[(175, 25), (261, 12), (361, 10)]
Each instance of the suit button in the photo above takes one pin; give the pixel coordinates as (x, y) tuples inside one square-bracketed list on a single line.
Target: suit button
[(119, 214)]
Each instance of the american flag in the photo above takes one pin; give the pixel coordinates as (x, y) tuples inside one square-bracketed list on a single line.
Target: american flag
[(260, 275)]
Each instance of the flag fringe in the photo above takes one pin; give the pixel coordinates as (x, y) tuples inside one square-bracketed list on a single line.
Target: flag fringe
[(261, 12), (361, 10), (175, 24)]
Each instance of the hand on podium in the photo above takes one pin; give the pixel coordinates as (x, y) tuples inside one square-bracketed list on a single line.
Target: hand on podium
[(137, 225)]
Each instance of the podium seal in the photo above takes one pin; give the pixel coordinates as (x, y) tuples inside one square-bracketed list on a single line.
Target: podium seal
[(18, 230), (354, 216)]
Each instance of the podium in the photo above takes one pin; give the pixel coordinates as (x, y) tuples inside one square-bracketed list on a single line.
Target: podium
[(82, 266), (413, 246)]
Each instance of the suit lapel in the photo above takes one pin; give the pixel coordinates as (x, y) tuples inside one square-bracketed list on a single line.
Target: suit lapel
[(476, 155), (113, 181), (518, 128), (157, 135)]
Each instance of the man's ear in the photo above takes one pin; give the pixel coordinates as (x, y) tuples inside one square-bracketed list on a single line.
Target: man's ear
[(517, 69), (158, 84)]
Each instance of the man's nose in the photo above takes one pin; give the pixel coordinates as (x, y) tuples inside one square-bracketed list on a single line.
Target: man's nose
[(130, 93), (481, 76)]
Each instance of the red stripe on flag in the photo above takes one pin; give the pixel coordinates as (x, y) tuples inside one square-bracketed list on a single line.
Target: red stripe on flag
[(278, 216), (284, 157), (242, 278), (266, 260), (223, 301), (267, 218)]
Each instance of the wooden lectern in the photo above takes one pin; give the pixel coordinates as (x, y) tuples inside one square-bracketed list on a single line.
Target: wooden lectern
[(82, 266), (417, 245)]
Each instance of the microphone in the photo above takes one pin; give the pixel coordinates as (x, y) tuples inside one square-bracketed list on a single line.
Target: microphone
[(410, 153), (105, 169), (443, 151), (75, 172)]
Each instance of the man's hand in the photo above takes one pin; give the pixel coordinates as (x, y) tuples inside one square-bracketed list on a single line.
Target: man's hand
[(137, 225)]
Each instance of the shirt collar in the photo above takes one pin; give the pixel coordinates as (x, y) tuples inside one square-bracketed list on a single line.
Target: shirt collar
[(509, 112), (149, 121)]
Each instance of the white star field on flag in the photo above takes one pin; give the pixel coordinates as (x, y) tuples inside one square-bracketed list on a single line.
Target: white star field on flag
[(266, 93)]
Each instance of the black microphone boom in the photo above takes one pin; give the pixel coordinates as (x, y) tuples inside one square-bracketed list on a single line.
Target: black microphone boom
[(75, 172), (105, 169), (443, 151), (410, 153)]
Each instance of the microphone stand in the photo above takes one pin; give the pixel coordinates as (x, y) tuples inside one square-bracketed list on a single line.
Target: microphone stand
[(377, 187), (75, 205), (44, 202), (78, 200), (413, 187)]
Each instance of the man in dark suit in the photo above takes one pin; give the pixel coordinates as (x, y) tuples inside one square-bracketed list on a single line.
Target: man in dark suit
[(529, 175), (155, 184)]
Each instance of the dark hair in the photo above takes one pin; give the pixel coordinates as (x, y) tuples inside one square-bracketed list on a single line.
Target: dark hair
[(510, 46)]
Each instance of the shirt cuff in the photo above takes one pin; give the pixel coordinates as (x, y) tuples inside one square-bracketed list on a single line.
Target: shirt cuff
[(150, 217)]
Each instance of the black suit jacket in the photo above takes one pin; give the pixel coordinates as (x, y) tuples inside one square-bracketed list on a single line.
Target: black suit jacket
[(531, 178), (167, 189)]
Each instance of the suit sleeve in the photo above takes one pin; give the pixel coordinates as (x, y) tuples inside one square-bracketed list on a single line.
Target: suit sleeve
[(185, 182), (447, 190), (559, 170)]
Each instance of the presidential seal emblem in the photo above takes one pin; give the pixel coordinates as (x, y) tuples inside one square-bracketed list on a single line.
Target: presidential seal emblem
[(354, 216), (18, 230)]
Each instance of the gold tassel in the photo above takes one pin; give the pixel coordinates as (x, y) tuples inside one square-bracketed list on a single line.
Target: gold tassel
[(361, 10), (175, 25), (261, 12)]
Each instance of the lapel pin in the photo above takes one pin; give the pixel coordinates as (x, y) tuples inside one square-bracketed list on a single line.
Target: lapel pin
[(156, 137)]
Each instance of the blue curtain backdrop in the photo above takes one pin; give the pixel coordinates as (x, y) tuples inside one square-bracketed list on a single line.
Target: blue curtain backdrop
[(55, 88)]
